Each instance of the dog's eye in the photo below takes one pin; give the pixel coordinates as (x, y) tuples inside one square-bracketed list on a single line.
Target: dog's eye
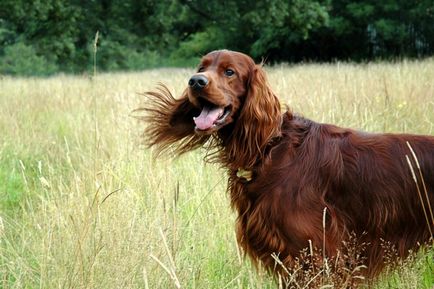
[(201, 69), (229, 72)]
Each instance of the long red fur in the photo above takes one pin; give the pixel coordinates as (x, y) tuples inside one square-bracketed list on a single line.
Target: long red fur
[(299, 167)]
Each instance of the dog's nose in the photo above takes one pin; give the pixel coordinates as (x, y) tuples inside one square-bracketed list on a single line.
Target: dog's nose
[(198, 81)]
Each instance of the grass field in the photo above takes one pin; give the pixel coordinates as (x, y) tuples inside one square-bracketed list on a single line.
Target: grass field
[(84, 205)]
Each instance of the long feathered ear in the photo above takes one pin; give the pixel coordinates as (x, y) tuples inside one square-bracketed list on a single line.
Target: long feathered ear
[(169, 122), (260, 119)]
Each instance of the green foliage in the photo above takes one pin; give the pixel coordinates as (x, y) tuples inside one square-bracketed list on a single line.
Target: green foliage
[(199, 43), (115, 56), (21, 59), (255, 28), (58, 35)]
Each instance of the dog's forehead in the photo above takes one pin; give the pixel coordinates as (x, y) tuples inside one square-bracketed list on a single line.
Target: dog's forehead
[(226, 58)]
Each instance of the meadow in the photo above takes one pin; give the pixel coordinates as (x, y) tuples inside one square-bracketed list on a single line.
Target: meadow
[(83, 204)]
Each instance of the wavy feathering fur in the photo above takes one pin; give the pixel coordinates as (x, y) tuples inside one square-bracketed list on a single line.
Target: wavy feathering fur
[(169, 122), (258, 124)]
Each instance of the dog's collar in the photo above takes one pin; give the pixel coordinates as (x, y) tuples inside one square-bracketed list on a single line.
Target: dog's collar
[(244, 174)]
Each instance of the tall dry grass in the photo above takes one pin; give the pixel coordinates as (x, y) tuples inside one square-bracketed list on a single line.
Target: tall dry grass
[(83, 205)]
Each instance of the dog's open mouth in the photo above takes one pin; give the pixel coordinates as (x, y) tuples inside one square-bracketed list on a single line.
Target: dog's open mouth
[(212, 116)]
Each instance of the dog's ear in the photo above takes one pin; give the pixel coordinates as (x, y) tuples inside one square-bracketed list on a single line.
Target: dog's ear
[(169, 122), (260, 117)]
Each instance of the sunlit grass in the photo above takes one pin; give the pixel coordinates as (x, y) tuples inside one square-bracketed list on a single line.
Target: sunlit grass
[(83, 205)]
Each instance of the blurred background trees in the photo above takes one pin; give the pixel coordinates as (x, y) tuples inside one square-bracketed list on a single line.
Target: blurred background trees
[(41, 37)]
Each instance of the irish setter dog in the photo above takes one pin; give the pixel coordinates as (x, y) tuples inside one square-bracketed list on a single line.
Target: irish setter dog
[(296, 183)]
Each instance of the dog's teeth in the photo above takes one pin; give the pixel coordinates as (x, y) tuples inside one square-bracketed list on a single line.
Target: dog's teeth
[(194, 118)]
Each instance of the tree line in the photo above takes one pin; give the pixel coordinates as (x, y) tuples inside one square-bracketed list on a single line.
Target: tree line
[(39, 37)]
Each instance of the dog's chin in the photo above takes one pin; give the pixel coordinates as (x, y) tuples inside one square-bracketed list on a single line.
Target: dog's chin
[(204, 132)]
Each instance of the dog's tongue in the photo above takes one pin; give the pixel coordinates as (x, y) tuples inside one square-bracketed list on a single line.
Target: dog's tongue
[(207, 117)]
